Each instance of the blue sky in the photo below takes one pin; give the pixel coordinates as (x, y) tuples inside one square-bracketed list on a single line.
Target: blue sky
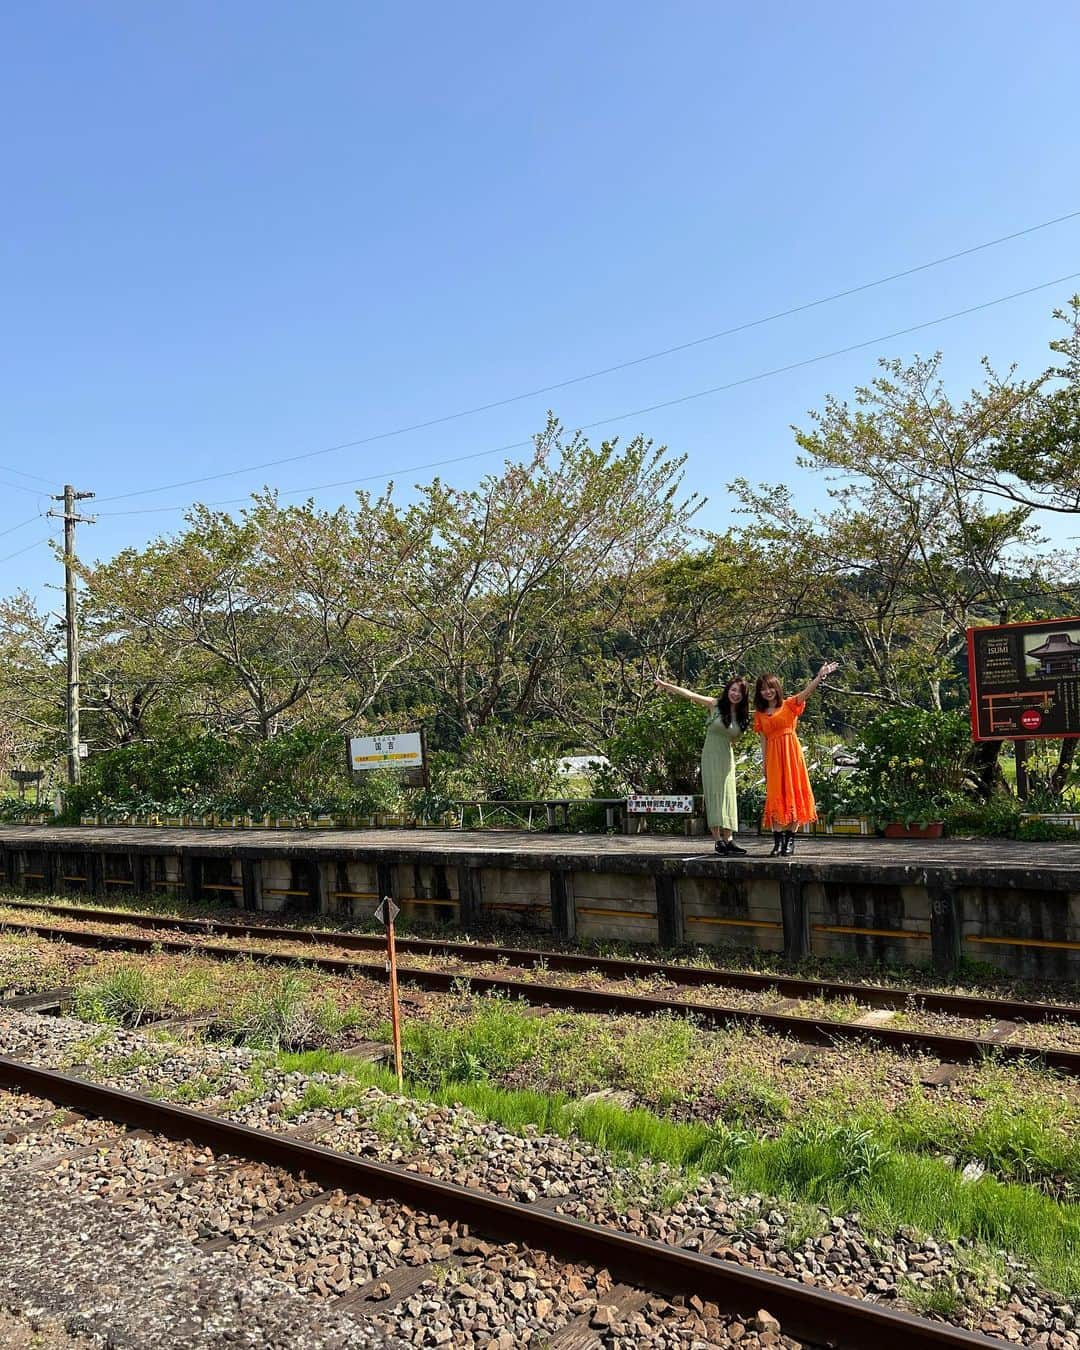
[(238, 232)]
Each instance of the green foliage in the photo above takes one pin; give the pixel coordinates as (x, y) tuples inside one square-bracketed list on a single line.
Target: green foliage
[(298, 772), (274, 1015), (125, 995), (659, 750), (1046, 831), (999, 817), (495, 1038), (839, 1165), (505, 762), (15, 812), (911, 767)]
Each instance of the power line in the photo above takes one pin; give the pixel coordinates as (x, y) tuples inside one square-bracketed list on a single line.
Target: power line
[(606, 370), (22, 524), (21, 487), (623, 416), (21, 473), (19, 552)]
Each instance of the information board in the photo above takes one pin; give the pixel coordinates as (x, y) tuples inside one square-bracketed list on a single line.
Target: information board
[(390, 750), (1025, 680), (660, 806)]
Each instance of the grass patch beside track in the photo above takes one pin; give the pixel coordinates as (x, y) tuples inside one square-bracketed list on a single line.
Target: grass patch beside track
[(841, 1166)]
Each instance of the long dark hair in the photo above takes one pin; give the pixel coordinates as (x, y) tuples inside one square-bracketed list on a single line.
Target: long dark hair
[(765, 682), (742, 708)]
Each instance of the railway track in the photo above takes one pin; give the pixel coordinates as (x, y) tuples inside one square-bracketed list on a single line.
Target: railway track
[(447, 1227), (949, 1048), (616, 968), (821, 1032)]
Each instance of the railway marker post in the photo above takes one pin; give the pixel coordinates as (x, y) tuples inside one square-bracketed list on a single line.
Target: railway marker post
[(386, 913)]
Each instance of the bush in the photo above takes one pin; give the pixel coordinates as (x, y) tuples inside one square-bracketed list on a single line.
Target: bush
[(13, 811), (912, 766), (506, 763), (997, 818), (659, 750)]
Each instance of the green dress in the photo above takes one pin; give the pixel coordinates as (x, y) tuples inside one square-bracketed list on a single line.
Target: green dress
[(718, 773)]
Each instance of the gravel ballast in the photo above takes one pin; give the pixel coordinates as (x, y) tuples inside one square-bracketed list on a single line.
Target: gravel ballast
[(452, 1144)]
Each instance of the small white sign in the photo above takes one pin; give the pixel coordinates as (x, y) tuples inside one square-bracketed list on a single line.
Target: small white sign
[(386, 911), (660, 806), (391, 750)]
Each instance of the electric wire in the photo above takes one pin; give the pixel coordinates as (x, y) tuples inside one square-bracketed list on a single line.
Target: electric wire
[(19, 552), (617, 417), (11, 529), (606, 370), (21, 473), (21, 487)]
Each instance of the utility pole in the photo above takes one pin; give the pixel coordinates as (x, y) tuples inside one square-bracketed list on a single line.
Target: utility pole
[(71, 625)]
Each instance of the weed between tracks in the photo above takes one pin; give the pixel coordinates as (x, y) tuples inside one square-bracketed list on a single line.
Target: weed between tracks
[(245, 1004)]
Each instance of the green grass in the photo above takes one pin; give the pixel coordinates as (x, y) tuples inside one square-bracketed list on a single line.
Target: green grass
[(246, 1004), (124, 995), (817, 1161)]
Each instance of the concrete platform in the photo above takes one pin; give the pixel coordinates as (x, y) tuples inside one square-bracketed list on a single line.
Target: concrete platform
[(1006, 903)]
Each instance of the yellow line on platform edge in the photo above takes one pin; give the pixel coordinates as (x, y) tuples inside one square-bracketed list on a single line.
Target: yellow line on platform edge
[(733, 923), (916, 933), (1026, 942)]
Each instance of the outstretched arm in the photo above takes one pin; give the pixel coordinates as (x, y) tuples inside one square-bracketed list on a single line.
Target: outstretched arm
[(825, 671), (703, 699)]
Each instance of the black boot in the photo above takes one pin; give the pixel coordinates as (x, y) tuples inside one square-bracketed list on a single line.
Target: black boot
[(777, 843), (735, 850), (721, 846), (789, 843)]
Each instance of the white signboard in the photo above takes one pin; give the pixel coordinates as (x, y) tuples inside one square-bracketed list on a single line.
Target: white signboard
[(660, 806), (391, 750)]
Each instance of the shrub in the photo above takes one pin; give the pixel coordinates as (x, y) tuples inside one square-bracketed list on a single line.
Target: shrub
[(506, 763), (659, 750), (912, 766), (999, 817)]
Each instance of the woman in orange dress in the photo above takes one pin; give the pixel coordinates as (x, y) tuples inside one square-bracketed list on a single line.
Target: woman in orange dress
[(789, 800)]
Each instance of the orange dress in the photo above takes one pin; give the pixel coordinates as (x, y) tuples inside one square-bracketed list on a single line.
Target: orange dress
[(789, 799)]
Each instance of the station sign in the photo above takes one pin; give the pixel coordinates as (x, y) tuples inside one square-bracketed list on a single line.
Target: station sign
[(1025, 680), (667, 805), (390, 750)]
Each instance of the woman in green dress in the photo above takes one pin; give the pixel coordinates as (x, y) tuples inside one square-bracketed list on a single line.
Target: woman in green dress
[(729, 718)]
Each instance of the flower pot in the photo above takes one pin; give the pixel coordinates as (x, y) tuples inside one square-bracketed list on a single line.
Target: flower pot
[(931, 830)]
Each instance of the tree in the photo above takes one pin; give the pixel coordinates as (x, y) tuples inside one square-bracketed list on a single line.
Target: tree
[(1034, 458), (505, 581), (260, 613), (32, 682)]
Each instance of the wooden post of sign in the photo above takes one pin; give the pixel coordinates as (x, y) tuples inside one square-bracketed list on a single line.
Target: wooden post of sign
[(387, 912), (1020, 750)]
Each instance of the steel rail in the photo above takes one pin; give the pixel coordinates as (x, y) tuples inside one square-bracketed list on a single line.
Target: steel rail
[(816, 1315), (619, 968), (809, 1030)]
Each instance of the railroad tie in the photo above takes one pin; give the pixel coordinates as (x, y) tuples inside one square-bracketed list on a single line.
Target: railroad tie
[(589, 1331), (941, 1075), (399, 1283), (51, 1160), (802, 1054), (50, 1120), (876, 1017), (283, 1216)]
